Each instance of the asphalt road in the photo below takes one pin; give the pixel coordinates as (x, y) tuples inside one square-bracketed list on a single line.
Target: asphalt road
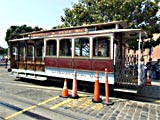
[(28, 99)]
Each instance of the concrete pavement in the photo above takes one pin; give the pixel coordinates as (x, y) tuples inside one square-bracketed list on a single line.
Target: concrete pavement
[(152, 91)]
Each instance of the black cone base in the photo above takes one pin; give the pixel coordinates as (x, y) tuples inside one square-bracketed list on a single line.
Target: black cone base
[(64, 96), (97, 101), (75, 97), (108, 103)]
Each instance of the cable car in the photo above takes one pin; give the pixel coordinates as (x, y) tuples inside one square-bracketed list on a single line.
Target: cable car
[(47, 54)]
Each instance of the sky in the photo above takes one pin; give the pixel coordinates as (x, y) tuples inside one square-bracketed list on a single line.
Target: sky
[(42, 13)]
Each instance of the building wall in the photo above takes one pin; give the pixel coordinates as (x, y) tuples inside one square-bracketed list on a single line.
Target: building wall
[(156, 51), (155, 54)]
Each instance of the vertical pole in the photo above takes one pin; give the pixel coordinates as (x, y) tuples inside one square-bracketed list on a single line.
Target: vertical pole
[(15, 49), (139, 62), (117, 26), (8, 52), (114, 54), (91, 47), (33, 52), (24, 53), (42, 53), (107, 102), (58, 48), (106, 86), (9, 56), (73, 47), (112, 47), (44, 49)]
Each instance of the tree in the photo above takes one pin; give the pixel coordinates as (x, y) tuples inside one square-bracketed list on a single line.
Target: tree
[(137, 13), (14, 31), (3, 51)]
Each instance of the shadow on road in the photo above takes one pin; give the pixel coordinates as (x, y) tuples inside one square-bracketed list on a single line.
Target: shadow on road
[(89, 87)]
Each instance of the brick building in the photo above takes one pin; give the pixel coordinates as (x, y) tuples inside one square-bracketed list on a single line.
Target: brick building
[(155, 53)]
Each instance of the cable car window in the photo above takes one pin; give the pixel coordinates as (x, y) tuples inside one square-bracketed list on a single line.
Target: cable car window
[(101, 46), (51, 48), (65, 47), (22, 53), (14, 50), (82, 47), (30, 51), (39, 48)]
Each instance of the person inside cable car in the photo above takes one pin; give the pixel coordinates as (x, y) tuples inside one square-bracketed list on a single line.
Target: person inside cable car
[(99, 53)]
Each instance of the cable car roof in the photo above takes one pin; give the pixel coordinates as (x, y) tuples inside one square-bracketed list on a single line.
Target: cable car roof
[(121, 23), (110, 27)]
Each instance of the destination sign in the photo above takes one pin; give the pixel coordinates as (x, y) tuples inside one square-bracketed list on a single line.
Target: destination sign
[(49, 33)]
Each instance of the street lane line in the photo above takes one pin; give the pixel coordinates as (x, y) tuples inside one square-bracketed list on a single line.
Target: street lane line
[(17, 113), (31, 107), (32, 86), (46, 101), (60, 104)]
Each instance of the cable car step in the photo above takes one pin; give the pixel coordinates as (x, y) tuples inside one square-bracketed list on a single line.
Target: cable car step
[(125, 90), (32, 77)]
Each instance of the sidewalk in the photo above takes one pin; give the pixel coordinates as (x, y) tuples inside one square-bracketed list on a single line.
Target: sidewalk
[(2, 65), (152, 91), (155, 82)]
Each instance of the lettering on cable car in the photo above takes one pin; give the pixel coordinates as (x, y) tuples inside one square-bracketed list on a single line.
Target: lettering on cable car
[(58, 32)]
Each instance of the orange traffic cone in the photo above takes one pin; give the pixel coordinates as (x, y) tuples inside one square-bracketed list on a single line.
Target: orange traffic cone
[(96, 98), (65, 90), (107, 102), (74, 87), (148, 80)]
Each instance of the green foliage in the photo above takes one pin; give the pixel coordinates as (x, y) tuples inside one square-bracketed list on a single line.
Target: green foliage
[(155, 28), (152, 43), (137, 13), (133, 44), (14, 31), (3, 51)]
